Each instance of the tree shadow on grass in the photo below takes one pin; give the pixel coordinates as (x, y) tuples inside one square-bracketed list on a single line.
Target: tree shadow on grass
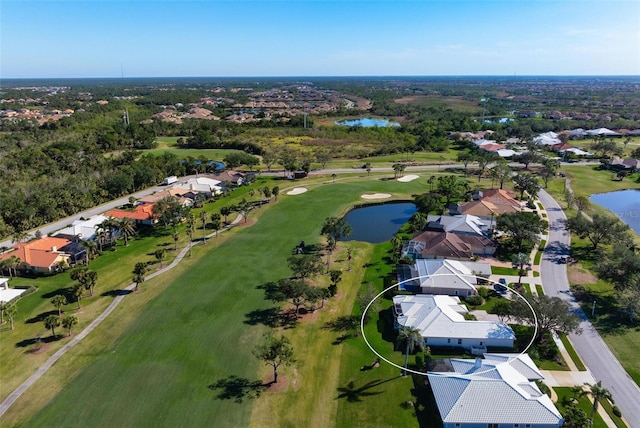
[(41, 317), (346, 324), (272, 317), (237, 388), (116, 293), (34, 340), (355, 395)]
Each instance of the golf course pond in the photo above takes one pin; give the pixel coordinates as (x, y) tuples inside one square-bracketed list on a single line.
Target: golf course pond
[(625, 204), (378, 223), (367, 122)]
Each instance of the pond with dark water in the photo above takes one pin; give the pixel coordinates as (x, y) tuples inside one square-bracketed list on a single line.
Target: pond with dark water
[(625, 204), (378, 223)]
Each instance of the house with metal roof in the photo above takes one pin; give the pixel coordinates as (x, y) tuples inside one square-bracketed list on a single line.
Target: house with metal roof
[(498, 391), (440, 320), (442, 276)]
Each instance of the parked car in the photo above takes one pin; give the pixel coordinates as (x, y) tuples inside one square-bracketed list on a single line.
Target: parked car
[(501, 286)]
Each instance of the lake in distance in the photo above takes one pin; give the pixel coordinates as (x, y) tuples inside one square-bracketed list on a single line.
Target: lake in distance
[(367, 122)]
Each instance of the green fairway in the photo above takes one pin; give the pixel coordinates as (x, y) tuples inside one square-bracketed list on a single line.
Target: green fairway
[(169, 144), (194, 334)]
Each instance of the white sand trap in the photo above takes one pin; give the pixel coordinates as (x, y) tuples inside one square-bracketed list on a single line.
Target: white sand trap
[(297, 191), (408, 178), (376, 196)]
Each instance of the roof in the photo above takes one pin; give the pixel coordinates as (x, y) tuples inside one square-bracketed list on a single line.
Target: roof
[(140, 213), (440, 316), (85, 229), (496, 201), (155, 197), (462, 223), (602, 131), (443, 273), (43, 252), (443, 244), (464, 398)]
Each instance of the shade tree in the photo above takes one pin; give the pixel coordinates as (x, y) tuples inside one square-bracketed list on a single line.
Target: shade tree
[(551, 314), (275, 352), (69, 322)]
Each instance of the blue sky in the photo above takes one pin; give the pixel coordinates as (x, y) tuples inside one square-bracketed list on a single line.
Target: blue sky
[(318, 38)]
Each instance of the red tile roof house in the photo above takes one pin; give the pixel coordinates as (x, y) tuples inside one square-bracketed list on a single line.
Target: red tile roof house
[(142, 214), (490, 203), (43, 255)]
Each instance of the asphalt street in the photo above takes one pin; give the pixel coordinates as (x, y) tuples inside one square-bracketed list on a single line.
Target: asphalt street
[(599, 359)]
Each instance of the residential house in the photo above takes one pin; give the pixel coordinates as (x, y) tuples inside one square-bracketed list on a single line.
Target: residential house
[(171, 193), (619, 164), (203, 185), (497, 391), (464, 224), (450, 277), (230, 178), (441, 322), (445, 245), (82, 229), (488, 204), (45, 255), (141, 214)]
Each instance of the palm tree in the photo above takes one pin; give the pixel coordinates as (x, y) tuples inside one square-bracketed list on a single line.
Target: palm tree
[(69, 321), (109, 226), (126, 227), (12, 263), (597, 393), (519, 261), (412, 338), (176, 237), (78, 292), (90, 248), (11, 310), (333, 177), (215, 222), (139, 272), (58, 301), (159, 254), (50, 323), (431, 180), (225, 211), (101, 238), (275, 192), (203, 219), (191, 227)]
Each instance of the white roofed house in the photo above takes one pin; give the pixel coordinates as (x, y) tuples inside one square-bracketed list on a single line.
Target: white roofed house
[(498, 391), (82, 229), (442, 276), (440, 320), (204, 185)]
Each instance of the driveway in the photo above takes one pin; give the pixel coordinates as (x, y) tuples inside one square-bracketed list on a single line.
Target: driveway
[(599, 359)]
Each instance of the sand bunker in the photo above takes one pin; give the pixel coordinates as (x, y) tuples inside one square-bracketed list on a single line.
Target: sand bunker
[(297, 191), (376, 196), (408, 178)]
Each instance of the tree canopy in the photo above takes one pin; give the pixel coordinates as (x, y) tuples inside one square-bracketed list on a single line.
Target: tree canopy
[(551, 314)]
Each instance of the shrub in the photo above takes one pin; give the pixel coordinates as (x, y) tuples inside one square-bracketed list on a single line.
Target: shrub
[(476, 300), (616, 411), (483, 292)]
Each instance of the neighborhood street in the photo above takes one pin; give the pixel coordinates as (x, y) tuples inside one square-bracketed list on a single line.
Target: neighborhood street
[(592, 349)]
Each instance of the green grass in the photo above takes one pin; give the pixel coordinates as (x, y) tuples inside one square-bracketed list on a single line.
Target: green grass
[(564, 397), (169, 144), (606, 405), (196, 333), (536, 274), (572, 352), (499, 270), (538, 256), (539, 290)]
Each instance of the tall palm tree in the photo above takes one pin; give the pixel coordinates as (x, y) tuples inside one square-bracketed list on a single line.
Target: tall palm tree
[(139, 272), (597, 393), (191, 227), (215, 222), (159, 254), (519, 261), (58, 301), (109, 226), (203, 219), (11, 310), (101, 238), (126, 227), (412, 339), (90, 248)]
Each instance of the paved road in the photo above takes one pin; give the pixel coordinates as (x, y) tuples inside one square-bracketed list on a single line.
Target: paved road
[(592, 349)]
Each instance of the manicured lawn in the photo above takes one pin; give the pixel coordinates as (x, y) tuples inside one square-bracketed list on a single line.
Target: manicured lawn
[(499, 270), (168, 144), (201, 329), (539, 290), (565, 395), (572, 352)]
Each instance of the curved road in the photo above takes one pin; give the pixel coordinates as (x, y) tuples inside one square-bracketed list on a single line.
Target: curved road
[(601, 362)]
